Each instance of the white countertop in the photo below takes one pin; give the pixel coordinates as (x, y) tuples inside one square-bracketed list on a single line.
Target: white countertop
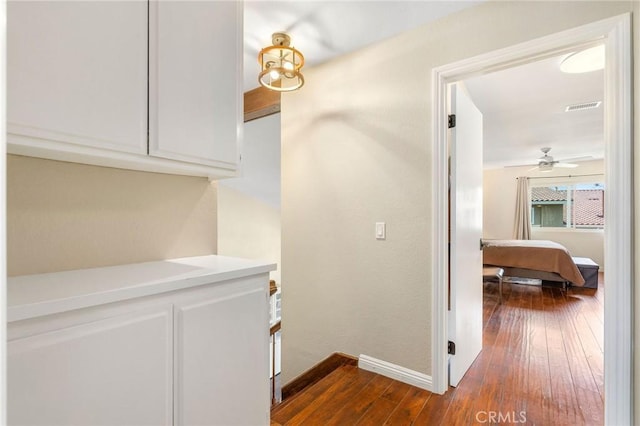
[(30, 296)]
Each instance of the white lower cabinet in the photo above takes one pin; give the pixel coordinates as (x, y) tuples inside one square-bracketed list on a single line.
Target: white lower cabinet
[(113, 371), (228, 384), (195, 356)]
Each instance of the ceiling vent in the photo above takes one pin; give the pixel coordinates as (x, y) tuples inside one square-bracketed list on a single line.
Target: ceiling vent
[(583, 106)]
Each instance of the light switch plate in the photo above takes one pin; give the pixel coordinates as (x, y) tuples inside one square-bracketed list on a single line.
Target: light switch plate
[(381, 231)]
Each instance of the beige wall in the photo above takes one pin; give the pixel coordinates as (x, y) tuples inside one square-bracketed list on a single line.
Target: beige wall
[(356, 150), (248, 227), (499, 210), (63, 216), (249, 205)]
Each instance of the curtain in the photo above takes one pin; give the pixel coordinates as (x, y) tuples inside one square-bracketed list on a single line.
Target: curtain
[(522, 228)]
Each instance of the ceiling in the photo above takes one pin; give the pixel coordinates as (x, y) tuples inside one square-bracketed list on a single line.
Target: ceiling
[(523, 107), (524, 110), (322, 30)]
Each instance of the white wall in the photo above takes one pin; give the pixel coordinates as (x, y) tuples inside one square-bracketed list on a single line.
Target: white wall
[(249, 206), (500, 205), (356, 150)]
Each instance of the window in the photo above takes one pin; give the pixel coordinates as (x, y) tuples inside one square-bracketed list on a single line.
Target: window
[(576, 206)]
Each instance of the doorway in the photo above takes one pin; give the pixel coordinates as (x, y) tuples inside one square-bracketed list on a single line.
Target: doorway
[(616, 35)]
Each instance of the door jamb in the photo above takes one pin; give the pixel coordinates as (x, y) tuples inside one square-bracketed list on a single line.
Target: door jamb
[(615, 32)]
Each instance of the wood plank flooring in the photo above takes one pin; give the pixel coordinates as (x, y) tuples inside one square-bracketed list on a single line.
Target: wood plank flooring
[(542, 364)]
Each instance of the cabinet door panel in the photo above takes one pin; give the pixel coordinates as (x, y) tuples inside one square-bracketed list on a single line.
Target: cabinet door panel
[(77, 73), (117, 371), (195, 81), (222, 360)]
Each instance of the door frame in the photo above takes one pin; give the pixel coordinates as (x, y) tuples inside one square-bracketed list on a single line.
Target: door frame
[(615, 32)]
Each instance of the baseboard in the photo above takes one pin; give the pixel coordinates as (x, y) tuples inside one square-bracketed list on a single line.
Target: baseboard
[(396, 372), (317, 372)]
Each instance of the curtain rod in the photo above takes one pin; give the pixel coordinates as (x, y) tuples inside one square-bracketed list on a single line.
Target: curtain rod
[(565, 176)]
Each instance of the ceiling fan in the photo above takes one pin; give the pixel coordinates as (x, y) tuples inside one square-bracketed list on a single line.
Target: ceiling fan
[(546, 163)]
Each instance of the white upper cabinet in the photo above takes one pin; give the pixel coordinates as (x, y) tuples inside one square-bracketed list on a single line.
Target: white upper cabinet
[(195, 86), (152, 86), (77, 73)]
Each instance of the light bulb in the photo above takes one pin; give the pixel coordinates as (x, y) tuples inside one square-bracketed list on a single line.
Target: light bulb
[(274, 74), (287, 66)]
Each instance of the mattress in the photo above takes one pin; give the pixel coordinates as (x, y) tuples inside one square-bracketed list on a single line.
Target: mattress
[(539, 255)]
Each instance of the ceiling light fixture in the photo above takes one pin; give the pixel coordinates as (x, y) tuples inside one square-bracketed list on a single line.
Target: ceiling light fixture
[(587, 60), (280, 65)]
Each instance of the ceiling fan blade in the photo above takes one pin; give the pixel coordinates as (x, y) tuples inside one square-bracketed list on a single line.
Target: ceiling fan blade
[(533, 168), (521, 165), (565, 165), (571, 160)]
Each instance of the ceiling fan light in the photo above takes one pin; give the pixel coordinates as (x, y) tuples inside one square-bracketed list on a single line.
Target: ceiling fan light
[(280, 65), (587, 60)]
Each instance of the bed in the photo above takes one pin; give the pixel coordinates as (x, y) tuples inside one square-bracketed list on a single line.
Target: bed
[(541, 259)]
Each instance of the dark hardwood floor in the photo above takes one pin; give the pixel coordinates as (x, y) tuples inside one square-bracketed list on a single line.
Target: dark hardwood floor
[(542, 364)]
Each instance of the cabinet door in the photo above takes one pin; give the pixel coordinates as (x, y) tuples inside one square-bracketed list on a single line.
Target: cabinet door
[(222, 359), (77, 74), (117, 371), (195, 79)]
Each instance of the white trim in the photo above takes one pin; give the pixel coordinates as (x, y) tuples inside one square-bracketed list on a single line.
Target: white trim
[(619, 232), (3, 208), (439, 232), (616, 33), (395, 372), (63, 151)]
